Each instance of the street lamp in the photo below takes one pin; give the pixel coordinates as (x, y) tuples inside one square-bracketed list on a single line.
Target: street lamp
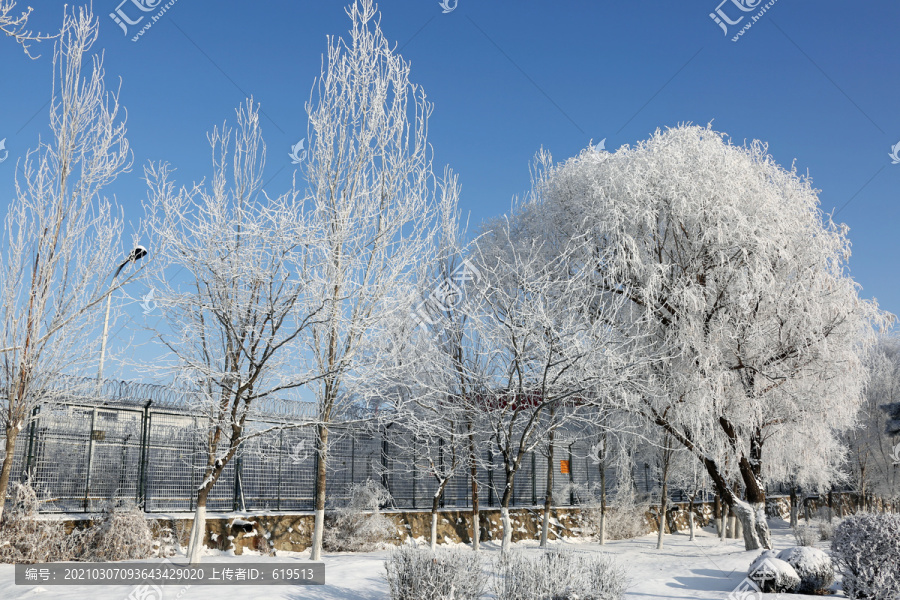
[(138, 253)]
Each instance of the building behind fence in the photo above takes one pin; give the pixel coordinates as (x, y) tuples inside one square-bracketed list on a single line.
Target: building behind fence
[(143, 443)]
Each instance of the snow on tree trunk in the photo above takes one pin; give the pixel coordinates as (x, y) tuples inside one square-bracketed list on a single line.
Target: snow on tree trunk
[(795, 507), (747, 514), (507, 529), (663, 506), (434, 518), (435, 504), (198, 530), (319, 526), (762, 525), (691, 521)]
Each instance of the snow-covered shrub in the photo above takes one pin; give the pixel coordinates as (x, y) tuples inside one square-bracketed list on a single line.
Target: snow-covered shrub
[(826, 529), (806, 534), (589, 507), (360, 526), (627, 519), (558, 575), (418, 573), (773, 575), (165, 542), (814, 567), (121, 533), (25, 538), (866, 550)]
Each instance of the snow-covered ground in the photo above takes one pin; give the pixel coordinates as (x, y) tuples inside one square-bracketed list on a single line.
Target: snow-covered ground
[(700, 570)]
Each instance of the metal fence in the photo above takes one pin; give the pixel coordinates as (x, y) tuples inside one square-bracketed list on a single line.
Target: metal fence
[(80, 455)]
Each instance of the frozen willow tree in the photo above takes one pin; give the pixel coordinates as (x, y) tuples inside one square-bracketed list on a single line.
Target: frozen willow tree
[(371, 210), (230, 274), (61, 237), (726, 258)]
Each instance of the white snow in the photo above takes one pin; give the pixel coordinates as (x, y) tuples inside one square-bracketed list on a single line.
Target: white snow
[(703, 570)]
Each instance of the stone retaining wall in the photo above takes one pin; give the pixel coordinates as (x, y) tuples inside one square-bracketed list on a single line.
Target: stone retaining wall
[(282, 531)]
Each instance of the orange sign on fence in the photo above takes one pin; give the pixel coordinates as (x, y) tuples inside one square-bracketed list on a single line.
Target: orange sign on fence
[(564, 467)]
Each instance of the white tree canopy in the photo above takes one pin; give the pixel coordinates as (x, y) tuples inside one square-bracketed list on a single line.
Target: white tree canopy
[(727, 258)]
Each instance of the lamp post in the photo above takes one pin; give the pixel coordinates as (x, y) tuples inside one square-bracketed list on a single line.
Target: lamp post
[(138, 253)]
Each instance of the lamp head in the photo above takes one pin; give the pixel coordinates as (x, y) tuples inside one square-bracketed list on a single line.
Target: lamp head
[(138, 253)]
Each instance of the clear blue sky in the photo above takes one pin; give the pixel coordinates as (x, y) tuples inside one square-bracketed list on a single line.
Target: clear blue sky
[(817, 81)]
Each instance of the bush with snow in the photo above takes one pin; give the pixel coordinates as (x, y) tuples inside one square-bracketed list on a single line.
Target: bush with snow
[(866, 550), (121, 533), (418, 573), (558, 575), (806, 534), (826, 529), (628, 519), (25, 538), (813, 566), (360, 526), (773, 575)]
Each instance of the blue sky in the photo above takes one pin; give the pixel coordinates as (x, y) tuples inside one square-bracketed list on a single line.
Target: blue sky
[(817, 81)]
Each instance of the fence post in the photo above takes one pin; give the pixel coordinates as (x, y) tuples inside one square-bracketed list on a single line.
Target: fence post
[(142, 457), (571, 477), (352, 459), (90, 458), (384, 458), (237, 502), (194, 453), (415, 472), (533, 479), (441, 463), (28, 462), (280, 461), (490, 477)]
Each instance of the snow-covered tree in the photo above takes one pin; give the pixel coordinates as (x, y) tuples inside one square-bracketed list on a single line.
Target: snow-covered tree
[(665, 455), (727, 258), (230, 273), (61, 237), (372, 211), (874, 444), (16, 26), (546, 359)]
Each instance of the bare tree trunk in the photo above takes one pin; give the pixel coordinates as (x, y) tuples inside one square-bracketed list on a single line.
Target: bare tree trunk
[(663, 506), (12, 433), (718, 515), (319, 527), (504, 514), (831, 506), (548, 495), (795, 507), (602, 504)]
